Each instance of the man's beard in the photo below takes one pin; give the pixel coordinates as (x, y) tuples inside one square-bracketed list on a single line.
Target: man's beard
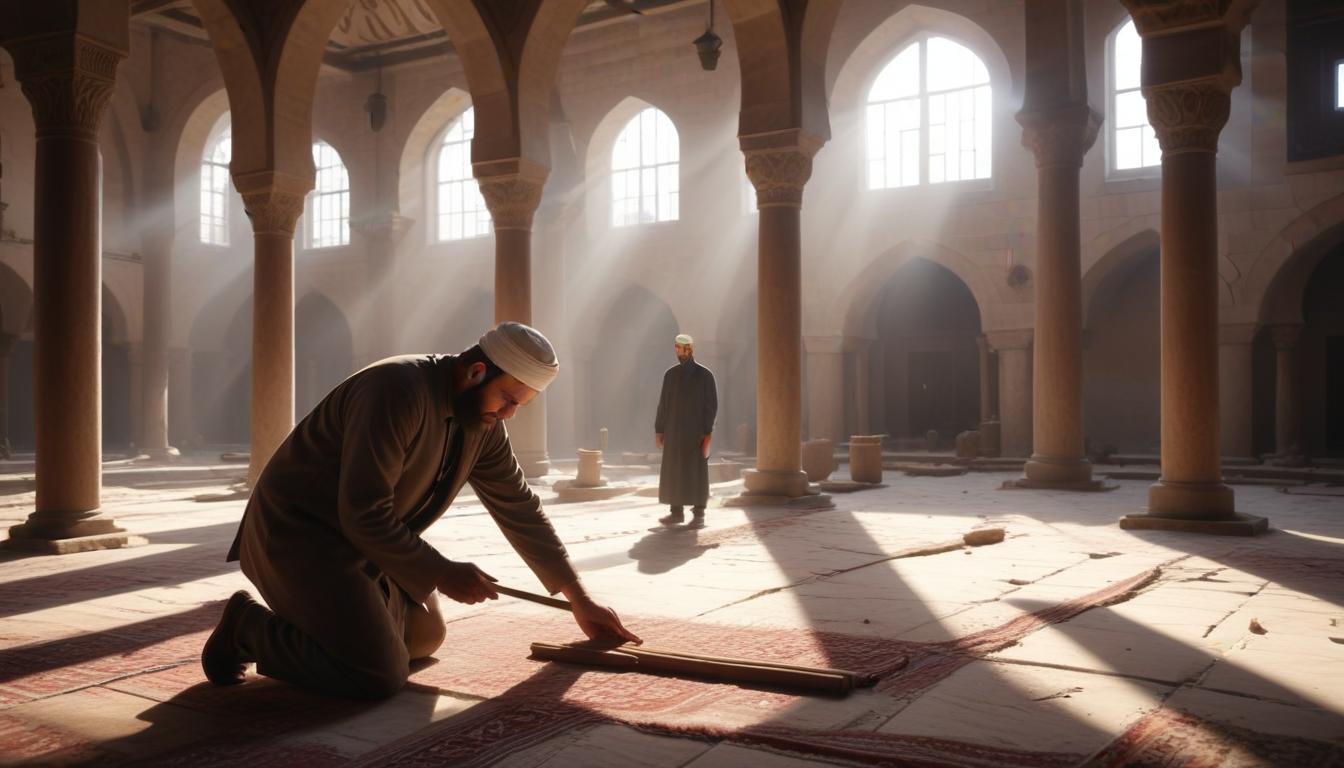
[(467, 405), (683, 358)]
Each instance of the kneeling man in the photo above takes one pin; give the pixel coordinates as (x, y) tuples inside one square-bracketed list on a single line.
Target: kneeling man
[(332, 532)]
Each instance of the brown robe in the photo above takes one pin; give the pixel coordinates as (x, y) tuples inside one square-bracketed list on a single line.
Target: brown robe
[(332, 533)]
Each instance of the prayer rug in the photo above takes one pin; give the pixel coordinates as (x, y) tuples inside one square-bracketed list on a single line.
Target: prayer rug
[(1172, 739), (530, 702)]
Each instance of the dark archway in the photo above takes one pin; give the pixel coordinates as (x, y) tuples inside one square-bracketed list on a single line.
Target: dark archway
[(927, 373), (323, 351), (1122, 390), (634, 350)]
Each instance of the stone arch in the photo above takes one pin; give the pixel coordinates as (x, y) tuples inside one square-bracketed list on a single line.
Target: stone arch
[(1120, 256), (415, 177), (600, 300), (196, 121), (1272, 289), (848, 88), (923, 372), (323, 349), (16, 302), (633, 347), (857, 300), (1121, 353)]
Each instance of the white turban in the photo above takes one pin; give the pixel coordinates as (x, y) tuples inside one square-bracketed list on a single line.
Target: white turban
[(685, 338), (522, 352)]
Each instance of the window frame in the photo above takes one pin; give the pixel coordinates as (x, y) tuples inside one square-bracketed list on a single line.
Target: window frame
[(223, 127), (640, 167), (921, 39), (435, 183), (310, 213), (1339, 85), (1114, 173)]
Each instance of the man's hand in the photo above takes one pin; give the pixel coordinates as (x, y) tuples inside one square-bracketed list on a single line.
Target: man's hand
[(466, 583), (658, 439), (596, 621), (704, 446)]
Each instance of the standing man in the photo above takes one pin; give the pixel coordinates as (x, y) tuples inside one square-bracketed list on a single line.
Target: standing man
[(683, 428), (332, 533)]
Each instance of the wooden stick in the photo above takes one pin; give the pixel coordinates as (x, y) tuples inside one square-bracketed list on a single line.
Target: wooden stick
[(553, 602), (752, 662)]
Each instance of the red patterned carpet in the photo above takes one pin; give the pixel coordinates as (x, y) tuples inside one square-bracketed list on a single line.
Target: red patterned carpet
[(266, 724)]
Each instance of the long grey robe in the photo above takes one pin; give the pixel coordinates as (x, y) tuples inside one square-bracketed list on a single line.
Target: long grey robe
[(686, 411), (332, 532)]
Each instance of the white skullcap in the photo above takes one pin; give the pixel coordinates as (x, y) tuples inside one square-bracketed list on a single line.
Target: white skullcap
[(522, 352), (685, 338)]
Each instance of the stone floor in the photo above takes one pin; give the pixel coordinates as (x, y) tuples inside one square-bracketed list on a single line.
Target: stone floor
[(1237, 635)]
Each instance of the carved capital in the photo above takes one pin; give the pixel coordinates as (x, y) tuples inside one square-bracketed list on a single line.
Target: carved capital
[(68, 80), (1188, 117), (1060, 136), (779, 175), (273, 211), (512, 199), (1161, 15), (1285, 335), (1003, 341)]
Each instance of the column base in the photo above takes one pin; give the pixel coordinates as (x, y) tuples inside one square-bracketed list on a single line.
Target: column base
[(1194, 508), (534, 463), (162, 454), (1070, 474), (60, 533), (776, 482)]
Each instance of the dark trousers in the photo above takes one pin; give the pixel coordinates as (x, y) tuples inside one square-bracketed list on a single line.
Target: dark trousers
[(330, 627)]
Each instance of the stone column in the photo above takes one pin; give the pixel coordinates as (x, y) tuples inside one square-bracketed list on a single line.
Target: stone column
[(274, 204), (826, 387), (779, 174), (1287, 394), (68, 78), (987, 409), (513, 197), (135, 358), (860, 350), (1191, 63), (181, 418), (1015, 401), (6, 347), (1059, 127), (1235, 373), (153, 392)]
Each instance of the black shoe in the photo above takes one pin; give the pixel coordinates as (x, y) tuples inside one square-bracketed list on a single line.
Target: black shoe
[(222, 658), (674, 518)]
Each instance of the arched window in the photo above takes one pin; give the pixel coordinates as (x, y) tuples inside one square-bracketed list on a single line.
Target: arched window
[(929, 117), (1133, 142), (215, 184), (329, 203), (461, 209), (645, 171)]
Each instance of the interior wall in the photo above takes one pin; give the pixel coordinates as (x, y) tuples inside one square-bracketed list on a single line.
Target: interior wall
[(633, 352), (1122, 360)]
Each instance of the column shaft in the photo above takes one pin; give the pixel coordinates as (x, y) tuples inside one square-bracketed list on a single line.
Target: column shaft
[(1235, 373), (987, 410), (154, 392), (1015, 401), (1287, 393), (826, 389), (513, 199), (272, 346)]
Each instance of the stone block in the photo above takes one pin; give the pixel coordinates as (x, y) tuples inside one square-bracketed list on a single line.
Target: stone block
[(968, 445), (590, 469), (865, 458), (818, 459)]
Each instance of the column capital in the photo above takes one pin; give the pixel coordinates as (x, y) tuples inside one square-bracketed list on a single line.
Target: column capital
[(1060, 136), (1188, 117), (824, 345), (385, 225), (1234, 334), (68, 79), (1155, 16), (273, 200), (779, 174), (1019, 338), (1285, 335), (512, 190)]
